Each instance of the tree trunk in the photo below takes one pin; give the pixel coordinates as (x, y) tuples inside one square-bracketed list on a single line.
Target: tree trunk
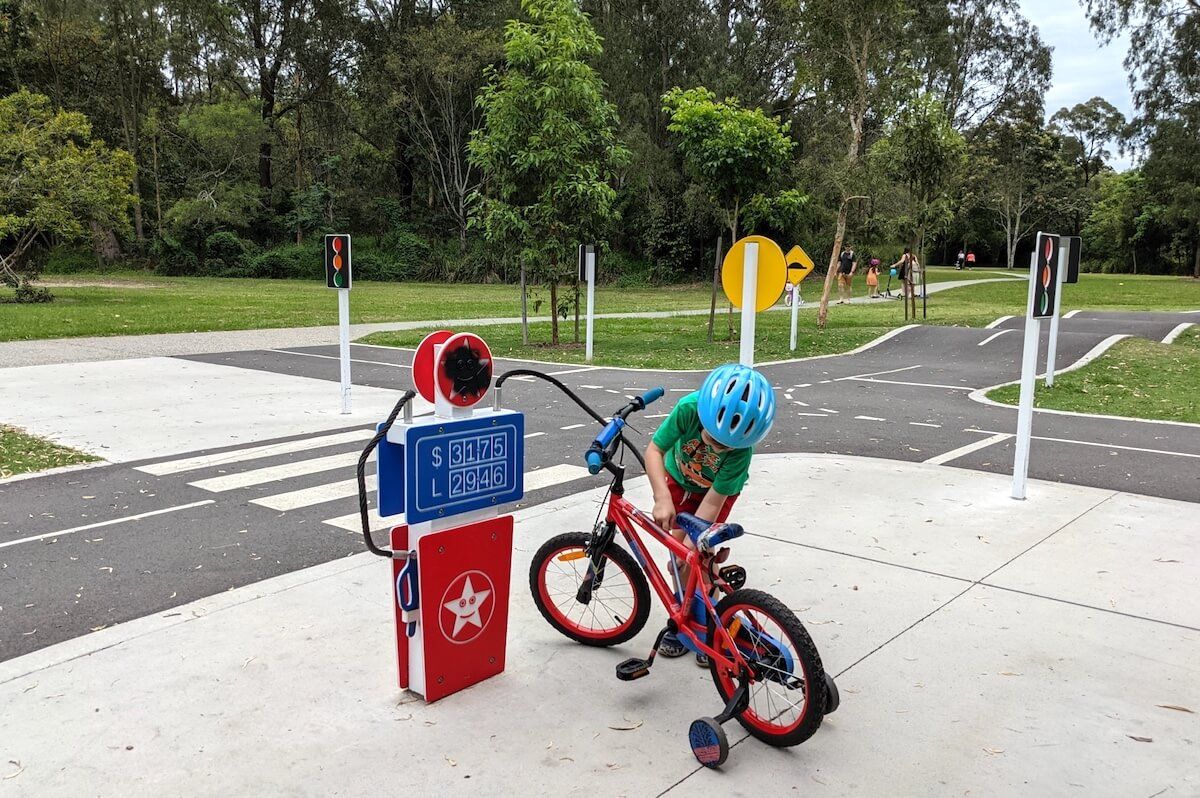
[(733, 237), (838, 235), (712, 311), (524, 309), (1196, 263), (554, 312), (137, 208), (157, 194)]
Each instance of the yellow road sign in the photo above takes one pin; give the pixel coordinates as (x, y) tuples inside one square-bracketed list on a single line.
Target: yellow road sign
[(772, 272), (798, 263)]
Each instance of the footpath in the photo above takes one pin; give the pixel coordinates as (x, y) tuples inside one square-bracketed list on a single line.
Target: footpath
[(983, 647), (101, 348)]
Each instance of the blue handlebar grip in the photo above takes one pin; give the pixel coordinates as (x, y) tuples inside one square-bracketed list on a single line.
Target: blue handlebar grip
[(652, 395), (594, 462)]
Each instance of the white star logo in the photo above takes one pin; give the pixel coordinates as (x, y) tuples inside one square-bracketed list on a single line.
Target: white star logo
[(466, 608)]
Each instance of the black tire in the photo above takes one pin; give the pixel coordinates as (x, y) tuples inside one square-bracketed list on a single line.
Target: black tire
[(636, 616), (800, 646)]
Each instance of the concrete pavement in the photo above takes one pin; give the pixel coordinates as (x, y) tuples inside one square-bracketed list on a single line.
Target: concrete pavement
[(983, 646)]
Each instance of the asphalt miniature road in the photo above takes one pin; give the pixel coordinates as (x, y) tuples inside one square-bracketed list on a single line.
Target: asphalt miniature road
[(82, 550)]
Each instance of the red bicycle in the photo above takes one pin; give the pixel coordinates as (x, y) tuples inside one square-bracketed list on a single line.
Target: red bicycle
[(761, 658)]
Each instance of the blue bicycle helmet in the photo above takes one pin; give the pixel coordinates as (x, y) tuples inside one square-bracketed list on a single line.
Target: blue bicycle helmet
[(737, 405)]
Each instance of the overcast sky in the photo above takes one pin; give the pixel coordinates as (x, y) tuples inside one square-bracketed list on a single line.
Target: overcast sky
[(1083, 67)]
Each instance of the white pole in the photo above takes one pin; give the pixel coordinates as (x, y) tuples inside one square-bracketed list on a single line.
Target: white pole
[(344, 345), (795, 313), (1033, 334), (749, 302), (590, 259), (1064, 254)]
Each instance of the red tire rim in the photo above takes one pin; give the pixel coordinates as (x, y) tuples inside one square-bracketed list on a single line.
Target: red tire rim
[(550, 598), (773, 708)]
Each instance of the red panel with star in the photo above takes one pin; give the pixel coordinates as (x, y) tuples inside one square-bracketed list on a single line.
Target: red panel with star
[(464, 574)]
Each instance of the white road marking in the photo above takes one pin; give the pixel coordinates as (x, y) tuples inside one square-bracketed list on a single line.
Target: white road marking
[(656, 415), (869, 418), (923, 424), (1176, 332), (954, 454), (813, 415), (993, 337), (917, 384), (335, 357), (253, 453), (592, 387), (572, 426), (877, 373), (802, 404), (353, 521), (110, 522), (523, 378), (827, 410), (805, 385), (1069, 314), (610, 390), (275, 473), (993, 325), (1097, 444), (307, 497), (570, 371), (529, 435), (553, 475), (681, 390)]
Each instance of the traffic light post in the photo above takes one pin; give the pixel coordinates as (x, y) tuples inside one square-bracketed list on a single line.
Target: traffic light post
[(337, 276)]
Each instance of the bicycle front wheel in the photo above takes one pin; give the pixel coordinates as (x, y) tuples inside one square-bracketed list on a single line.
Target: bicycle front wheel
[(787, 681), (616, 596)]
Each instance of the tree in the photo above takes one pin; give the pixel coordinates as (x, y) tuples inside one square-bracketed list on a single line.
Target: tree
[(1172, 172), (1118, 221), (1016, 169), (547, 146), (57, 182), (1087, 130), (1164, 40), (734, 152)]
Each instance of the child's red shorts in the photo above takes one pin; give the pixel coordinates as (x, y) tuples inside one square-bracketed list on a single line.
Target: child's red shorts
[(690, 502)]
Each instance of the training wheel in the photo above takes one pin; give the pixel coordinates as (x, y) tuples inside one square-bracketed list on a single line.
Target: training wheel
[(832, 697), (709, 743)]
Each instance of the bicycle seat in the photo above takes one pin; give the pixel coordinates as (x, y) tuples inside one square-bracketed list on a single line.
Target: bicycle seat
[(697, 527)]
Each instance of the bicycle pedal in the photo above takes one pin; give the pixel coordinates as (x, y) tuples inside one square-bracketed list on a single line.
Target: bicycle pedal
[(633, 668), (735, 575)]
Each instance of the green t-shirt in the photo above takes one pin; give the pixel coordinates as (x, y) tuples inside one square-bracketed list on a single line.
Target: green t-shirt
[(691, 462)]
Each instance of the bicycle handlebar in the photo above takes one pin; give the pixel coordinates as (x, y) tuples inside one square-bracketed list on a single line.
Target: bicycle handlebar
[(598, 452)]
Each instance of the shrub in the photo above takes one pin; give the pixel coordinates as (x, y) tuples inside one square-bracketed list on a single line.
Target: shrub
[(227, 255), (173, 258), (411, 254), (291, 261), (376, 266), (70, 260)]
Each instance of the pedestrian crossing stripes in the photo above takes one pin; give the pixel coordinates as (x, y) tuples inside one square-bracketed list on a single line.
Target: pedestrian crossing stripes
[(338, 488), (179, 466)]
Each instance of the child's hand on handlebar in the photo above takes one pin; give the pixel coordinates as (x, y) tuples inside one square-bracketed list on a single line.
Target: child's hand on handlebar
[(664, 512)]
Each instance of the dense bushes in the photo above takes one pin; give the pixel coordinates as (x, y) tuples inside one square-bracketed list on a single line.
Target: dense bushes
[(70, 260)]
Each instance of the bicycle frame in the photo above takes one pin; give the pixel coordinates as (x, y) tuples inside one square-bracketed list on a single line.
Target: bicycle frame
[(628, 519)]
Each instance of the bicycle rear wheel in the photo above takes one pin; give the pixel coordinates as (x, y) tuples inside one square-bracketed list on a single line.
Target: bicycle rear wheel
[(787, 683), (617, 607)]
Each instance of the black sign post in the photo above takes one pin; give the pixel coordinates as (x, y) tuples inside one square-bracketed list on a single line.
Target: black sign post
[(337, 261), (1075, 244)]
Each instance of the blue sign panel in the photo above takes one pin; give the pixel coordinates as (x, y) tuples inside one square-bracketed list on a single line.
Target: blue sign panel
[(390, 468), (456, 466)]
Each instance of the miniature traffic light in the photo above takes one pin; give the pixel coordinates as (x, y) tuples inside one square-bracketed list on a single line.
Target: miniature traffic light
[(337, 261)]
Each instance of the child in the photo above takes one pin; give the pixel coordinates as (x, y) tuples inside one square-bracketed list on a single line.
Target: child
[(873, 278), (699, 458)]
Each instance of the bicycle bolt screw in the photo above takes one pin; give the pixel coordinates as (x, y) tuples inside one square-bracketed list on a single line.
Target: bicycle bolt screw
[(441, 549)]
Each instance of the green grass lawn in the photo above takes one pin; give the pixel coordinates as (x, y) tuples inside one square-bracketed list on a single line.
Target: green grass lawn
[(21, 453), (681, 342), (1136, 377), (132, 303)]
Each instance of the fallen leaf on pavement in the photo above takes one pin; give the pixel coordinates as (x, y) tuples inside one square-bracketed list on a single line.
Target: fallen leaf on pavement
[(1163, 706), (1140, 739), (1009, 673), (630, 725), (994, 751), (16, 772), (453, 764)]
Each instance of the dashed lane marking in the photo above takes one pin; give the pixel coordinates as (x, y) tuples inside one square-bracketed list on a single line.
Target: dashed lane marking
[(869, 418), (110, 522), (827, 410), (570, 371), (572, 426), (813, 415), (529, 435), (592, 387), (166, 467), (335, 357), (1097, 444), (915, 384), (924, 424), (877, 373), (994, 336), (954, 454)]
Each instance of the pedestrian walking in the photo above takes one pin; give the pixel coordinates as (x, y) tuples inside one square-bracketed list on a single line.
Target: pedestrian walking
[(970, 260), (958, 262), (847, 266), (906, 268), (873, 278)]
